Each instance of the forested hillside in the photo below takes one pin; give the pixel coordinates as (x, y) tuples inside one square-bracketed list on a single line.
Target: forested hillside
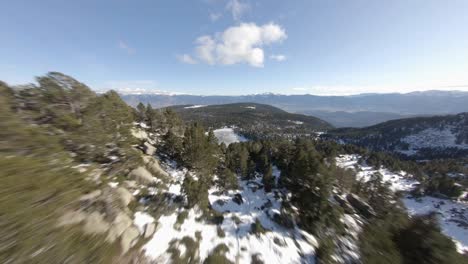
[(253, 120), (87, 179), (416, 138)]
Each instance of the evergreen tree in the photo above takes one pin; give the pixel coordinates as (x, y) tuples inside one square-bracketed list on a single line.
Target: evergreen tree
[(141, 111), (268, 180)]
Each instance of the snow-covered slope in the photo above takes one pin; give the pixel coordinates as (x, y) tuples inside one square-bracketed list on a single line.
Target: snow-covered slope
[(419, 138), (400, 181), (277, 245), (445, 137), (453, 215)]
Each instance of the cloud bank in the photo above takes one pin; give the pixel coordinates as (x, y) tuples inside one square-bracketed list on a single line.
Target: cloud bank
[(238, 44)]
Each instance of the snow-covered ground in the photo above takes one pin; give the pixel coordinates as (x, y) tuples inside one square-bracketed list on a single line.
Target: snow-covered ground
[(227, 136), (453, 215), (277, 245), (194, 106), (250, 107), (400, 181), (432, 138)]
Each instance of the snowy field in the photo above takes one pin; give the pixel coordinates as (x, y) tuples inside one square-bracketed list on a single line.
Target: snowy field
[(227, 136), (277, 245), (452, 214)]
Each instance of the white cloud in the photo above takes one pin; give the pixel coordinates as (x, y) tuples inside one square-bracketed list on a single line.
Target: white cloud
[(239, 44), (185, 58), (215, 16), (205, 49), (278, 57), (237, 8), (124, 46)]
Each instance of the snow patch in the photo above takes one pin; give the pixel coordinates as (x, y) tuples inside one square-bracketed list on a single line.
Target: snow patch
[(194, 106), (227, 136), (141, 220)]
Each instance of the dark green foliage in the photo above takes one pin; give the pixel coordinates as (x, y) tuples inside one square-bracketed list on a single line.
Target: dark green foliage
[(310, 184), (217, 256), (227, 179), (191, 252), (196, 192), (172, 146), (257, 228), (220, 232), (268, 180), (422, 242), (141, 112), (325, 251), (377, 245), (199, 151), (443, 185)]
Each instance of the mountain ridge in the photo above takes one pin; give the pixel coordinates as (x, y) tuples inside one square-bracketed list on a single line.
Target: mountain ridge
[(410, 104)]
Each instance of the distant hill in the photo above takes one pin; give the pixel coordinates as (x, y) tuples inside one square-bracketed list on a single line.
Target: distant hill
[(252, 119), (354, 119), (418, 137), (356, 111)]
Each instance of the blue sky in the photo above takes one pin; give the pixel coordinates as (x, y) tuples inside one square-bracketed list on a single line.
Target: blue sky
[(239, 46)]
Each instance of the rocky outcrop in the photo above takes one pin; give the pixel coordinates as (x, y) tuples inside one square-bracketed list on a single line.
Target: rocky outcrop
[(153, 165), (124, 196), (149, 230), (141, 175), (149, 149), (347, 207), (129, 238), (362, 207), (105, 212)]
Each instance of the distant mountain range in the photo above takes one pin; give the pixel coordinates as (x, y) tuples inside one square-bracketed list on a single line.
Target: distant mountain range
[(254, 120), (341, 111)]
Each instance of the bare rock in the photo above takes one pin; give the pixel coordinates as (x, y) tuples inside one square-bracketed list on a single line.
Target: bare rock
[(238, 199), (121, 223), (71, 218), (130, 184), (91, 196), (95, 224), (124, 196), (362, 207), (344, 204), (141, 175), (149, 149), (129, 238), (153, 165), (149, 229)]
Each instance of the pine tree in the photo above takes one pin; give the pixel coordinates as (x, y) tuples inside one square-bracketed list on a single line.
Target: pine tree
[(141, 111), (268, 180)]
